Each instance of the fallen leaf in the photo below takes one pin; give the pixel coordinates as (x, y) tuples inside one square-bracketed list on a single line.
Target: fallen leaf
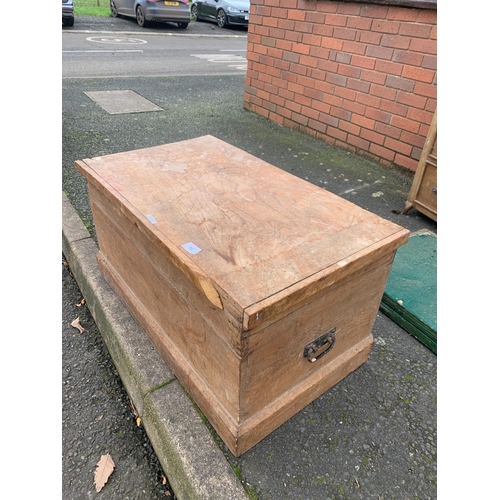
[(138, 421), (163, 479), (80, 303), (105, 467), (132, 409), (76, 324)]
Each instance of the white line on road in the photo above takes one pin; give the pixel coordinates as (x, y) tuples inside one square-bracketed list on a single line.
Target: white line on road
[(115, 40), (113, 51), (217, 57), (241, 61)]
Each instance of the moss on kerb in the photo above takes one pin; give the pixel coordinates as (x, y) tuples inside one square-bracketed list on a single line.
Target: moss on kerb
[(131, 379), (249, 489), (167, 452), (205, 420), (159, 386), (122, 362)]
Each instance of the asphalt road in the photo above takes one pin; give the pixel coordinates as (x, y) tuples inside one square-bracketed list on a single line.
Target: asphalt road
[(150, 55), (159, 53)]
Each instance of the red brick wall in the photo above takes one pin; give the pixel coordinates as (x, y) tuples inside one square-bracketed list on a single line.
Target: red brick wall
[(357, 75)]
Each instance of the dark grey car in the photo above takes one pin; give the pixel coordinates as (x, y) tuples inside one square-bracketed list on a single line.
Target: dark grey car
[(68, 13), (222, 12), (174, 11)]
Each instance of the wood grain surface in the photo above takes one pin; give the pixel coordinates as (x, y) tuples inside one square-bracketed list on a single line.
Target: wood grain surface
[(259, 229)]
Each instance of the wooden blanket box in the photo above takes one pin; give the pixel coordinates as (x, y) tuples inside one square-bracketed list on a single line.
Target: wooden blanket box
[(259, 289)]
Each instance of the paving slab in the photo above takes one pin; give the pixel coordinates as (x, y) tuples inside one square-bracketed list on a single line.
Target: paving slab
[(117, 102)]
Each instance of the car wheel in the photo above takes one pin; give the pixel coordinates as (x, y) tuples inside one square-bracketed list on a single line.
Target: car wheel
[(182, 25), (194, 12), (70, 22), (139, 15), (221, 18), (114, 11)]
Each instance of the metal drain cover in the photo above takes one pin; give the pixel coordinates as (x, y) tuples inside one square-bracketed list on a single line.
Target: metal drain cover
[(122, 101)]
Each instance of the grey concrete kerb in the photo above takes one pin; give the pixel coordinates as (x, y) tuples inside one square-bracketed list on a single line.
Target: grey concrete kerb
[(195, 466)]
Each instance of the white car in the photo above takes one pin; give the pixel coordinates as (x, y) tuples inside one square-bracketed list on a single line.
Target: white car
[(174, 11)]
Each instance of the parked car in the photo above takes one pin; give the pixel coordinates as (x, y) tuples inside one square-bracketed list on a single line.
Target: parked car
[(222, 12), (174, 11), (68, 13)]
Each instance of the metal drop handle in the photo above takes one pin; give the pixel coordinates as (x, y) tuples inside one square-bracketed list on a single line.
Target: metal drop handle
[(313, 347)]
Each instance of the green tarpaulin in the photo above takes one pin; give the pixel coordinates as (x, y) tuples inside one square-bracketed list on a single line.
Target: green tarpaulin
[(410, 297)]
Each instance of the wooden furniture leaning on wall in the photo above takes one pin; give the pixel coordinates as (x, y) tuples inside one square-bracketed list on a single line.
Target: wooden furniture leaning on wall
[(423, 192)]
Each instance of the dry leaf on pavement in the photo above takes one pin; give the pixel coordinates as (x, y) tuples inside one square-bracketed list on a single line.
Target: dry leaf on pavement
[(76, 324), (104, 469)]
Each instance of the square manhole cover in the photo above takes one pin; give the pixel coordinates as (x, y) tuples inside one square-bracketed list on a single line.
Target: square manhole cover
[(122, 101)]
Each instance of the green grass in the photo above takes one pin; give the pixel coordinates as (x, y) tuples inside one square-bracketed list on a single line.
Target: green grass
[(92, 8)]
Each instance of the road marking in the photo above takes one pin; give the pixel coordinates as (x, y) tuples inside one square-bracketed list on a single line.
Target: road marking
[(218, 57), (116, 40), (111, 51), (152, 33), (225, 58)]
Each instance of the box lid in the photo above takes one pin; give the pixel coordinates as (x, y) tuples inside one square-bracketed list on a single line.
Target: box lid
[(241, 229)]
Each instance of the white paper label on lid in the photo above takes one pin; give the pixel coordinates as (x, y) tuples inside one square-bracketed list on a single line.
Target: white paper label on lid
[(191, 248)]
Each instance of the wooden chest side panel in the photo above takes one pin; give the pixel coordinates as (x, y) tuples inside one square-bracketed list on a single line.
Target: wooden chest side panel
[(226, 322), (216, 364), (276, 361), (257, 427), (225, 424)]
